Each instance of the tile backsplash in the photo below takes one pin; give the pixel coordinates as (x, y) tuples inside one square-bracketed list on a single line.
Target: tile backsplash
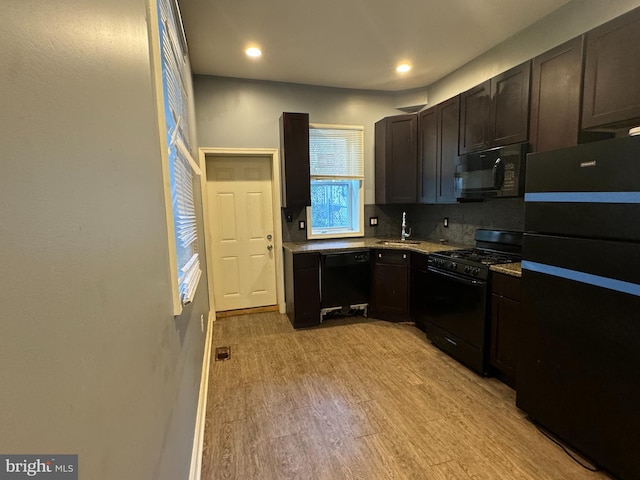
[(290, 230), (466, 218), (426, 221)]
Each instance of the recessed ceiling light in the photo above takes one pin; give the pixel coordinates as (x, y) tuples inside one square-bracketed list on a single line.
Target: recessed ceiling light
[(403, 68), (253, 52)]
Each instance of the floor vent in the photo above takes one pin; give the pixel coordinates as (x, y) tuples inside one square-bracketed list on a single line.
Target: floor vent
[(223, 353)]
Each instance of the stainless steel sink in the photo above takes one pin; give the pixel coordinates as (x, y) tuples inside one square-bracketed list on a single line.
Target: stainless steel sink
[(397, 243)]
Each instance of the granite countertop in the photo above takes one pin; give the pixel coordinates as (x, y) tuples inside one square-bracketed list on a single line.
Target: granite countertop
[(422, 246), (512, 269), (323, 246)]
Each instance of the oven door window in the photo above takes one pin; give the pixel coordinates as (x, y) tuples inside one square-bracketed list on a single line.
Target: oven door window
[(457, 305)]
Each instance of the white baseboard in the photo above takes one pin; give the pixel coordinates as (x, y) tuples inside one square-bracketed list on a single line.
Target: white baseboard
[(198, 438)]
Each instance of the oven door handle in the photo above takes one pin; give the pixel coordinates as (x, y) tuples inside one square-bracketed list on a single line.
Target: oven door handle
[(458, 278)]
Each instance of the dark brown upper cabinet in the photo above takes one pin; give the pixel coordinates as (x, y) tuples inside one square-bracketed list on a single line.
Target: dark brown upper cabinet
[(612, 74), (496, 112), (294, 160), (510, 93), (437, 152), (475, 110), (556, 98), (396, 157), (427, 155)]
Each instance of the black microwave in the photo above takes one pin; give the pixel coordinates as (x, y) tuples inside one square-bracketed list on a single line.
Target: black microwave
[(498, 172)]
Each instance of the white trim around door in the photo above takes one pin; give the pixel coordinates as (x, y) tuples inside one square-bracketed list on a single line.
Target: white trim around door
[(277, 218)]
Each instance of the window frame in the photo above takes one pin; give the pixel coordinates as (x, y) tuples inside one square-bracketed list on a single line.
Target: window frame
[(357, 200), (174, 142)]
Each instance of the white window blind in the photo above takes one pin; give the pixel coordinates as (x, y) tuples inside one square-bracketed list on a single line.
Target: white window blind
[(182, 166), (186, 227), (336, 151)]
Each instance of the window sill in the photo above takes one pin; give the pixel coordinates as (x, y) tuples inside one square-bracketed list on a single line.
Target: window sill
[(332, 235)]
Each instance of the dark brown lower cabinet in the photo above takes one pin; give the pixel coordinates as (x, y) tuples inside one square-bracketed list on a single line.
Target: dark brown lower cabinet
[(419, 285), (505, 323), (390, 285), (302, 288)]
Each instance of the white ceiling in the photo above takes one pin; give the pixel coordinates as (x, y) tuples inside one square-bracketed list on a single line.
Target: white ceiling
[(350, 43)]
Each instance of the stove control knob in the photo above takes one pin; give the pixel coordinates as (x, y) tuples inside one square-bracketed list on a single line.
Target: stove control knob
[(453, 266), (467, 269), (475, 271)]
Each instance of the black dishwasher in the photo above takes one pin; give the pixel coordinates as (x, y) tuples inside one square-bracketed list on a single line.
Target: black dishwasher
[(345, 282)]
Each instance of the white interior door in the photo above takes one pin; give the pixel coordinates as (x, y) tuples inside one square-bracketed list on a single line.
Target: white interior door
[(241, 223)]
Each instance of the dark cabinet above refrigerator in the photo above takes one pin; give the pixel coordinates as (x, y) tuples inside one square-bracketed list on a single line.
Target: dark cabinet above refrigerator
[(612, 74)]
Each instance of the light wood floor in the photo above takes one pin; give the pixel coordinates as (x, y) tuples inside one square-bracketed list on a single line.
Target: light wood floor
[(362, 399)]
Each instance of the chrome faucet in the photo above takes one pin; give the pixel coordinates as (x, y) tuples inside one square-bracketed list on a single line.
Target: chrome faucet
[(404, 235)]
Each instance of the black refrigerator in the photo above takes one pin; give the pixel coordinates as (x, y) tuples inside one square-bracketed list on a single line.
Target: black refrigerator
[(579, 358)]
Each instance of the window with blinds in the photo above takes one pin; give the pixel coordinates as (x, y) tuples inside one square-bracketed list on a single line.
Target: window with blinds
[(336, 154), (182, 167)]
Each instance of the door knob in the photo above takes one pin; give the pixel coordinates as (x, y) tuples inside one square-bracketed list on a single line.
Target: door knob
[(269, 247)]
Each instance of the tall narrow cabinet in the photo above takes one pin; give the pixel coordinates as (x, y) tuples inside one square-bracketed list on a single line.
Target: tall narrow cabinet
[(437, 152), (294, 160), (396, 156)]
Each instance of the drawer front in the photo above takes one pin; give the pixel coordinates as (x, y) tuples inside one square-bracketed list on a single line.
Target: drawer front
[(306, 260), (506, 285), (392, 257)]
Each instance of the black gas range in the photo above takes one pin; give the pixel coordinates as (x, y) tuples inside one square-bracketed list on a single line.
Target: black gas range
[(492, 247), (457, 295)]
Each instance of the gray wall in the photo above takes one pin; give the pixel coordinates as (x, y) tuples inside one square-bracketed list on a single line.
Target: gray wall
[(93, 361)]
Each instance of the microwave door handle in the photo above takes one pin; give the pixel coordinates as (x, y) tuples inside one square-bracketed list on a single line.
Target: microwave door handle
[(498, 174)]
